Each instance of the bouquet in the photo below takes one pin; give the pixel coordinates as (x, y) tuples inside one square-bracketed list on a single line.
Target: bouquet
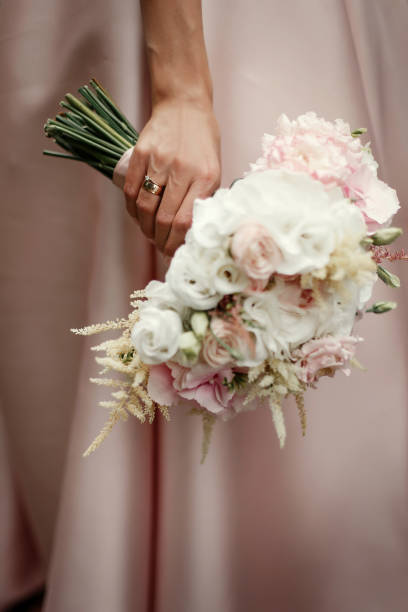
[(261, 300)]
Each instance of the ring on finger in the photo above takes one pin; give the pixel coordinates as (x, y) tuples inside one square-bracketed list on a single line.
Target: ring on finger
[(152, 187)]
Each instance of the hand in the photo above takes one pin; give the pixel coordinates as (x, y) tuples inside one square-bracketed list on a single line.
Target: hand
[(180, 148)]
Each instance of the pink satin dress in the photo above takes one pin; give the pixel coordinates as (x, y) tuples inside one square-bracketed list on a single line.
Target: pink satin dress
[(140, 525)]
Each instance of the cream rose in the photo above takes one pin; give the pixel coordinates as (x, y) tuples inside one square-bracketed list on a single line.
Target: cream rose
[(255, 251)]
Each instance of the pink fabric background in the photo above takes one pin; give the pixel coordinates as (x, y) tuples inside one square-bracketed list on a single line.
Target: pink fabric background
[(318, 527)]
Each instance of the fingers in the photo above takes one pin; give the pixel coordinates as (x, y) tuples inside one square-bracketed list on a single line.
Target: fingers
[(165, 218), (147, 203), (174, 194), (134, 178), (184, 215)]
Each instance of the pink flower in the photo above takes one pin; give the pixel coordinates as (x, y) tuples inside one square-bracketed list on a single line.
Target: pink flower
[(255, 251), (229, 333), (377, 201), (330, 353), (169, 383), (328, 152), (323, 149)]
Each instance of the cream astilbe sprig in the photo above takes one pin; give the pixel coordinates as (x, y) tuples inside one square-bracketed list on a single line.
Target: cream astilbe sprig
[(208, 421), (347, 261), (129, 394), (275, 380)]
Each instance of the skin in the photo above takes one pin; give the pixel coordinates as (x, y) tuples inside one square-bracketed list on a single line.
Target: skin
[(180, 145)]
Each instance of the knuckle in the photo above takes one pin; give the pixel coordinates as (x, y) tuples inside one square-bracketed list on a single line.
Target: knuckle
[(144, 206), (183, 223), (140, 151), (159, 159), (168, 250), (178, 164), (129, 190), (163, 219), (210, 176)]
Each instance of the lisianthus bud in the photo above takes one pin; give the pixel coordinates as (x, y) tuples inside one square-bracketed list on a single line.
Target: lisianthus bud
[(199, 324), (190, 347), (380, 307), (386, 235), (358, 132), (388, 278)]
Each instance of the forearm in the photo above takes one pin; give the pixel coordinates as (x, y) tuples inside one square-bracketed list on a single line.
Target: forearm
[(176, 51)]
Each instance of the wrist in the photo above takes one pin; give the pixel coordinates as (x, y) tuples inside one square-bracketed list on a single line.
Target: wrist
[(179, 83)]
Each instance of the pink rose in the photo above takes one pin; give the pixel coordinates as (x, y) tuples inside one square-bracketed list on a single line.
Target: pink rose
[(232, 334), (329, 352), (255, 251), (169, 383)]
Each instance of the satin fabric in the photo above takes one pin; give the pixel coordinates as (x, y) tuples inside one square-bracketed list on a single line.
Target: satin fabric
[(140, 525)]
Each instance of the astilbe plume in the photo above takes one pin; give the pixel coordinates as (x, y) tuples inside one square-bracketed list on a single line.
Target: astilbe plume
[(129, 389), (382, 253)]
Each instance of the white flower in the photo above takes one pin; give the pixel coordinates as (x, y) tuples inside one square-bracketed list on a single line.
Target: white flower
[(301, 215), (283, 326), (161, 295), (156, 334), (227, 276), (298, 212), (189, 277), (208, 219)]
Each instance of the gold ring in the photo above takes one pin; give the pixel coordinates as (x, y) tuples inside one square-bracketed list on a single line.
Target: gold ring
[(152, 187)]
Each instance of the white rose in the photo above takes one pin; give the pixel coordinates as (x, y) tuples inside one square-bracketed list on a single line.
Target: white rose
[(156, 334), (295, 209), (190, 276), (228, 277)]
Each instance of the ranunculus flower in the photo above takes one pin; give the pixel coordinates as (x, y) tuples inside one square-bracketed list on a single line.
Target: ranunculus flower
[(329, 352), (231, 334), (156, 334), (254, 249)]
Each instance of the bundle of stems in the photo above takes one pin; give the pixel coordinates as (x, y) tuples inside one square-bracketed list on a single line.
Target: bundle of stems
[(92, 129)]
